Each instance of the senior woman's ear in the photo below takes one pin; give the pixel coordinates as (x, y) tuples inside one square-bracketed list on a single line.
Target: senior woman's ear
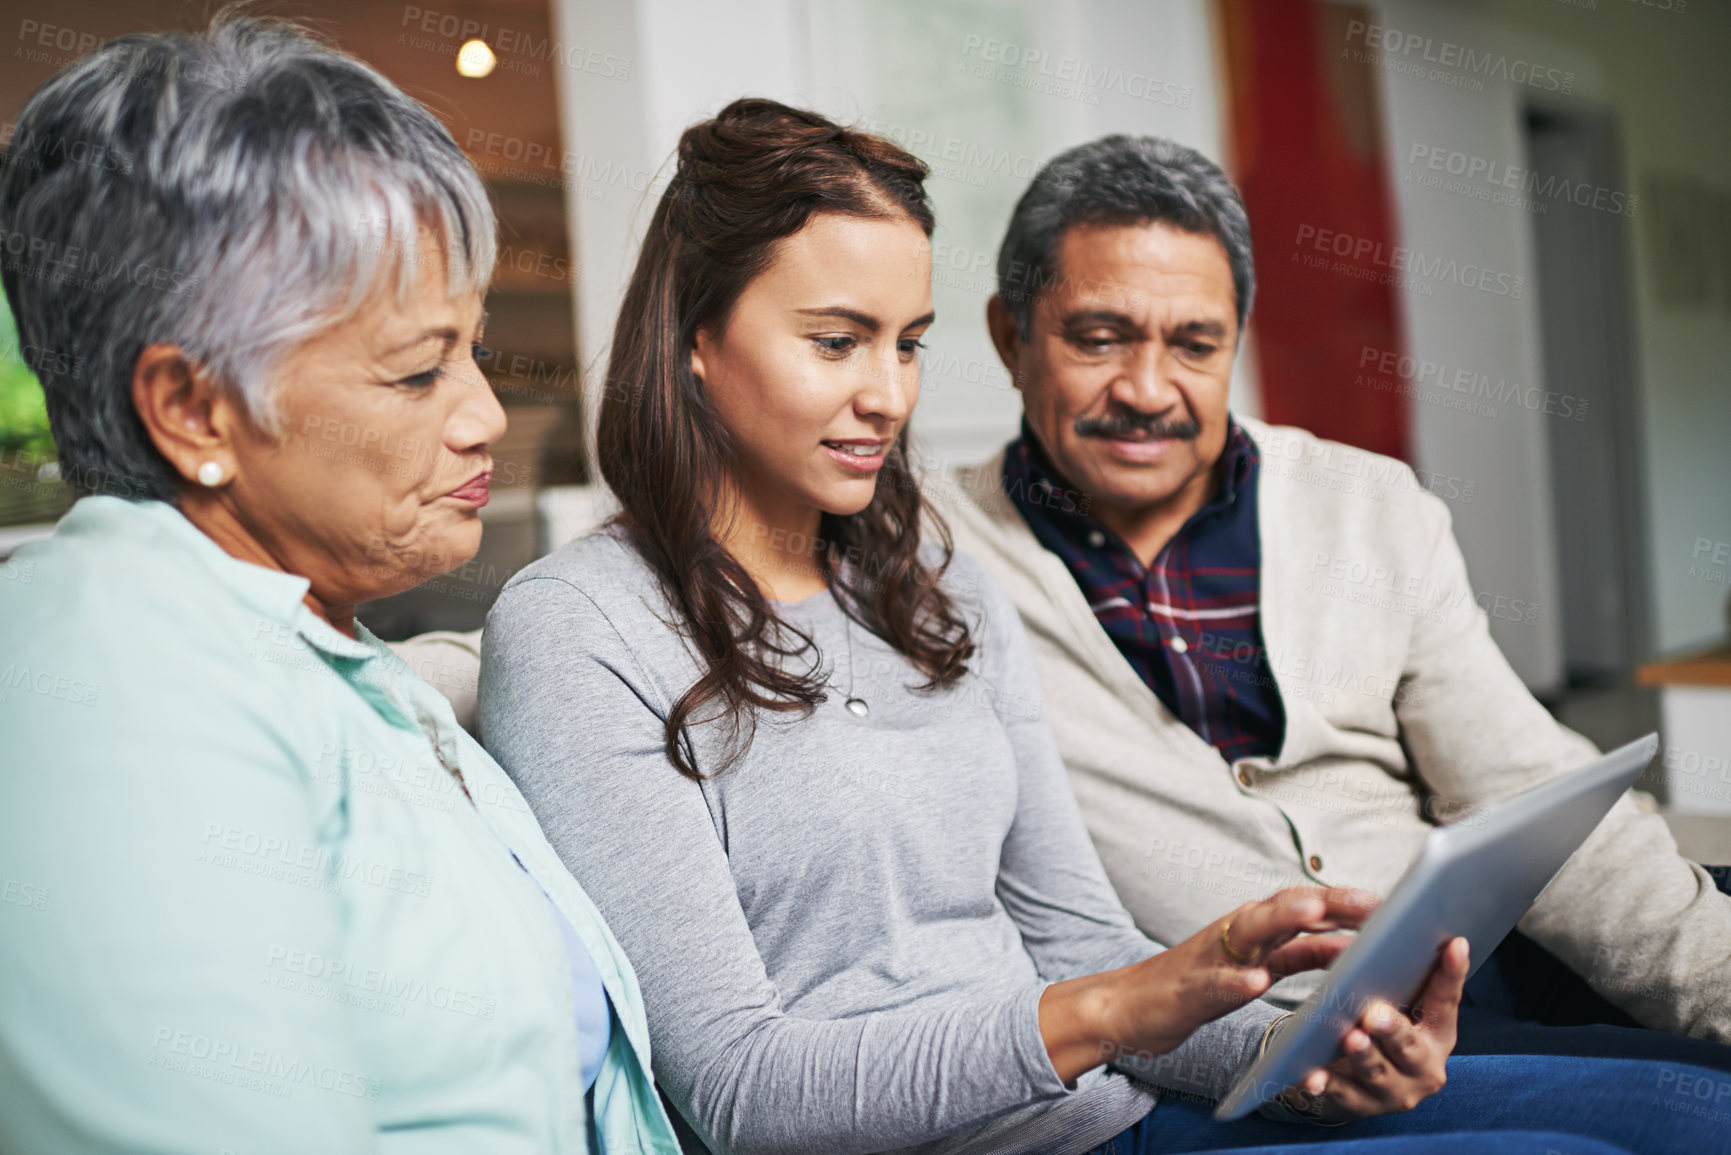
[(191, 421)]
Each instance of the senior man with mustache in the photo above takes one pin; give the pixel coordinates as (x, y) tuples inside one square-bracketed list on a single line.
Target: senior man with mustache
[(1193, 581)]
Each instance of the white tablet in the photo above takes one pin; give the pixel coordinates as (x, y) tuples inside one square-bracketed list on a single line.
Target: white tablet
[(1474, 878)]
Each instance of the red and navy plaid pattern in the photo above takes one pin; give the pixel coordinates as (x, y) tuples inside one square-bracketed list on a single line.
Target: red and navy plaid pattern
[(1190, 623)]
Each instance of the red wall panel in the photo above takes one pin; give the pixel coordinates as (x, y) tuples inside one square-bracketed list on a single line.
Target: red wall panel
[(1306, 146)]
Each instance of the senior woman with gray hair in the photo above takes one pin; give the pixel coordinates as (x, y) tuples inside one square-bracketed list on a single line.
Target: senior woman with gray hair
[(264, 894)]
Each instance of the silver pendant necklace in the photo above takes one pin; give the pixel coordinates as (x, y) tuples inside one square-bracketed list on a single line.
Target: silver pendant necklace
[(855, 706)]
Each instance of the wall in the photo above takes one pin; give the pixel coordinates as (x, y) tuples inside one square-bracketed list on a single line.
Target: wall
[(983, 92), (1664, 72), (1470, 304), (413, 44)]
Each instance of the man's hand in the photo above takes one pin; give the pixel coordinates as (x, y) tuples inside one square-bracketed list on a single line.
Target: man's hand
[(1391, 1062)]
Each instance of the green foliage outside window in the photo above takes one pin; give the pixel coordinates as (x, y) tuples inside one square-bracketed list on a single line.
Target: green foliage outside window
[(30, 487), (23, 414)]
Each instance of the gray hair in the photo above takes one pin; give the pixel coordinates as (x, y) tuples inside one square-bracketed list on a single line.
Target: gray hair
[(1120, 180), (234, 193)]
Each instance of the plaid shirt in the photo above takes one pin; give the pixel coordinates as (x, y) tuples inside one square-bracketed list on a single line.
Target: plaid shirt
[(1189, 624)]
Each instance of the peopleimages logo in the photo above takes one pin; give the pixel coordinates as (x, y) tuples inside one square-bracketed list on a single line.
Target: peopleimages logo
[(936, 148), (48, 260), (1449, 61), (1402, 264), (527, 48), (1467, 382), (35, 151), (1485, 176), (1070, 76)]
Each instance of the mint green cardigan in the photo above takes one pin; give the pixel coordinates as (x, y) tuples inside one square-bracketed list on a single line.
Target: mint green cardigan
[(243, 906)]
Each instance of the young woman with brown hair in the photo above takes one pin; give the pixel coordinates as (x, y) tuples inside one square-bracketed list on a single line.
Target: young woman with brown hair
[(795, 750)]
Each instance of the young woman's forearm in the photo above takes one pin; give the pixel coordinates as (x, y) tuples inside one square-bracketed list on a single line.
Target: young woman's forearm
[(1073, 1024)]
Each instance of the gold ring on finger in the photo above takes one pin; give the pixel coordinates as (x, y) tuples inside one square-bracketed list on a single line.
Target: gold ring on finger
[(1232, 952)]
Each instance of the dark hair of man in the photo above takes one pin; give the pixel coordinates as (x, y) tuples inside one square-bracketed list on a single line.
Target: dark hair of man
[(747, 180), (1120, 180)]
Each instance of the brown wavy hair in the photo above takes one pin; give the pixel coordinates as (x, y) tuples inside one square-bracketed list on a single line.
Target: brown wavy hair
[(745, 181)]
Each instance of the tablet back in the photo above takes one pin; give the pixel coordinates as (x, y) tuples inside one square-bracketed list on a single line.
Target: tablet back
[(1475, 878)]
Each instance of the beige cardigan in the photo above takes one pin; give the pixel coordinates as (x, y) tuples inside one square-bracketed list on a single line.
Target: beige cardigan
[(1400, 710)]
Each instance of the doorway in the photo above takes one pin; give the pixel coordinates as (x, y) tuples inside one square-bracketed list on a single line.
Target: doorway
[(1581, 206)]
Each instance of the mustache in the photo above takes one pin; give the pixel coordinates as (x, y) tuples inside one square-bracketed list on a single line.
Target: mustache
[(1120, 425)]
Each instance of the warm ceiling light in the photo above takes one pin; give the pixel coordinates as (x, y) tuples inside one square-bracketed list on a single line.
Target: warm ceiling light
[(475, 59)]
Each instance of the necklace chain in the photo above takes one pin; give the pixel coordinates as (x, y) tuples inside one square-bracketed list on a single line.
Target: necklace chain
[(855, 706)]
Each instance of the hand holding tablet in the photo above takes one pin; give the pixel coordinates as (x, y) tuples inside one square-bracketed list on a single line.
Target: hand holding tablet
[(1390, 1060), (1474, 879), (1339, 1055)]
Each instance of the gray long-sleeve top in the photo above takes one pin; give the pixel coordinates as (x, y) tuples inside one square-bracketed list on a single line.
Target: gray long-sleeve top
[(842, 940)]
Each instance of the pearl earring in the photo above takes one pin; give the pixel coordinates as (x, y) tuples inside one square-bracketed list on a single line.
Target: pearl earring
[(210, 473)]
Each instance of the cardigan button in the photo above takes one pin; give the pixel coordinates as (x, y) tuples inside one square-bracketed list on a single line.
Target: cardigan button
[(1179, 645), (1244, 777), (1316, 862)]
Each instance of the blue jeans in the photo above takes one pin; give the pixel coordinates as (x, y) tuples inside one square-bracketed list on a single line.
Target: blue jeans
[(1523, 1001), (1493, 1103), (1140, 1139)]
